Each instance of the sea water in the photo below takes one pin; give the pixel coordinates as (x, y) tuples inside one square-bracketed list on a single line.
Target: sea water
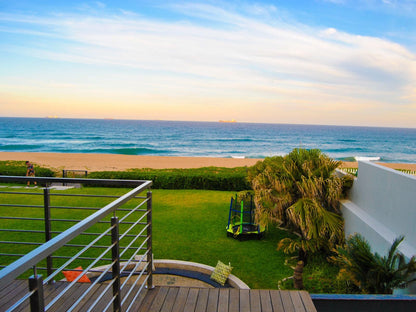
[(213, 139)]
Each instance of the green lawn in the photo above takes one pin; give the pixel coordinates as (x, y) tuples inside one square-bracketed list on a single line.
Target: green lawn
[(190, 225)]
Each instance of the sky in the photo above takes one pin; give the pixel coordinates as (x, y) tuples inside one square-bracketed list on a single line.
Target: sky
[(333, 62)]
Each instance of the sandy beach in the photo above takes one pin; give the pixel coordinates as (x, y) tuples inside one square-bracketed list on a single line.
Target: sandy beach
[(115, 162)]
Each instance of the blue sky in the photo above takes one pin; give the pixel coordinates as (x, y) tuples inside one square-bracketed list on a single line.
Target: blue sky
[(346, 62)]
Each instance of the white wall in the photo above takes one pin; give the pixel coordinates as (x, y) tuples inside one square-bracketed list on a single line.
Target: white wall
[(382, 206)]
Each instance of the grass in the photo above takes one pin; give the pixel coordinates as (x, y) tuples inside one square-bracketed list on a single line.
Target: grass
[(188, 225)]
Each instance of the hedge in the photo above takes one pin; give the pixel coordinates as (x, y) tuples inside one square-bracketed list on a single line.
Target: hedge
[(18, 168), (207, 178)]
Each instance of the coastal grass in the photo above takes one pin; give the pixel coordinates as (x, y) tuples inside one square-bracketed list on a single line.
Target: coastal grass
[(187, 225)]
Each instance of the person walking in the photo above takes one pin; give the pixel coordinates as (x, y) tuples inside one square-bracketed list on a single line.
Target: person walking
[(30, 172)]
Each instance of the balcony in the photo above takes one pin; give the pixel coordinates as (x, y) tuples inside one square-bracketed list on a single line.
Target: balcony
[(107, 250)]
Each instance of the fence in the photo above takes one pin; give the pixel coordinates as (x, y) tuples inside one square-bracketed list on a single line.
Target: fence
[(354, 171), (55, 233)]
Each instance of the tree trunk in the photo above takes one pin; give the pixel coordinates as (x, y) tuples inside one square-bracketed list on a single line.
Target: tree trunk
[(303, 256), (298, 275)]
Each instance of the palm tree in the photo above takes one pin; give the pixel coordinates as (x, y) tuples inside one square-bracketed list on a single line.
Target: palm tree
[(371, 272), (300, 193)]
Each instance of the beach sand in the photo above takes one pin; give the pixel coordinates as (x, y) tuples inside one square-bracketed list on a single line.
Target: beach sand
[(115, 162)]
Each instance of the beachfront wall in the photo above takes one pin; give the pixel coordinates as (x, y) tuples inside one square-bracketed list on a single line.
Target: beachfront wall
[(381, 206)]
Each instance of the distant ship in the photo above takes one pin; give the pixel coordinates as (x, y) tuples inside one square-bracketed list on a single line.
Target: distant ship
[(232, 120)]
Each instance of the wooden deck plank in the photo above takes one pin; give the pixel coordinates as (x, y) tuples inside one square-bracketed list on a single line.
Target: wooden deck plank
[(159, 299), (126, 297), (135, 306), (287, 301), (96, 293), (265, 300), (276, 301), (14, 296), (297, 301), (147, 302), (13, 287), (255, 304), (180, 299), (234, 300), (244, 300), (170, 299), (70, 297), (11, 294), (213, 300), (49, 292), (307, 301), (223, 298), (201, 304), (191, 300)]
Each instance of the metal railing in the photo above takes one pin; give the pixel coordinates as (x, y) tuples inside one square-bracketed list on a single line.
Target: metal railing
[(112, 243), (354, 171)]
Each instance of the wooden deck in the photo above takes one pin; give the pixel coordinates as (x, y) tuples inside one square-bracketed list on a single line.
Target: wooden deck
[(172, 299)]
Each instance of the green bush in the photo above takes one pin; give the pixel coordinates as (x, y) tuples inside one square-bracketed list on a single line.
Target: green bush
[(18, 168), (207, 178)]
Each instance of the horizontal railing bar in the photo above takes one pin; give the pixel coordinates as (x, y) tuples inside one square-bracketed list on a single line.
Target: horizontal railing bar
[(133, 211), (83, 195), (80, 258), (20, 193), (18, 205), (73, 220), (78, 254), (18, 267), (128, 230), (96, 246), (21, 231), (135, 282), (90, 208), (137, 292), (78, 277), (69, 195), (77, 220), (137, 251), (21, 243), (88, 195), (21, 300), (92, 306), (22, 218), (71, 207), (100, 182), (57, 232)]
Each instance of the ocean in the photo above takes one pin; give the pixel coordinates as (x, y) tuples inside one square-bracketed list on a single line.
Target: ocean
[(213, 139)]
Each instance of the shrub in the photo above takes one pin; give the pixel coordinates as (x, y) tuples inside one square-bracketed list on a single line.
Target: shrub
[(18, 168), (371, 272), (207, 178)]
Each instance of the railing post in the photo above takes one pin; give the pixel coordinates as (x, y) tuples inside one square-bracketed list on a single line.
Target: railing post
[(36, 299), (149, 242), (48, 236), (116, 263)]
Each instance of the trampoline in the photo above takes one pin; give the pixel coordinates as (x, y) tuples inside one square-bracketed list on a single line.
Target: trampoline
[(241, 224)]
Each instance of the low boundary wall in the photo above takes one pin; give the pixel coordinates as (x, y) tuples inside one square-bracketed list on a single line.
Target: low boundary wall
[(381, 206)]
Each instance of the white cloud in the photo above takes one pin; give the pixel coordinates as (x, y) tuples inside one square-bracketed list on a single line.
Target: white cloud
[(228, 54)]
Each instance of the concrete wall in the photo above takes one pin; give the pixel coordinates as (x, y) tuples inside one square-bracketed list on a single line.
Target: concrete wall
[(382, 206)]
